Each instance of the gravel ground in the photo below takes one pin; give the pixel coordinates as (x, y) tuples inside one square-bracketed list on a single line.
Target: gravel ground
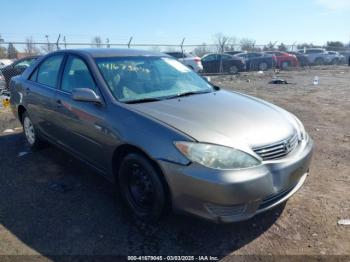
[(51, 204)]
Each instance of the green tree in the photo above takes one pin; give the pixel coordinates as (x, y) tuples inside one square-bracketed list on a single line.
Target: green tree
[(201, 50), (11, 51)]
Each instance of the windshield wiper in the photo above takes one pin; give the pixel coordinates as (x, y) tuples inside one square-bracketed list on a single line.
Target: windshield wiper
[(142, 100), (190, 93)]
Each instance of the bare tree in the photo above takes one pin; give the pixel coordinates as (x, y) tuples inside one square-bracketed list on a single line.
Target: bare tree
[(96, 42), (49, 47), (282, 47), (270, 46), (221, 41), (30, 47), (3, 52), (248, 45), (201, 50)]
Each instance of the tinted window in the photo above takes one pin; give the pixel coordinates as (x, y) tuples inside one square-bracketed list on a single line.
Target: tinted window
[(76, 75), (313, 51), (48, 71), (226, 57), (209, 58)]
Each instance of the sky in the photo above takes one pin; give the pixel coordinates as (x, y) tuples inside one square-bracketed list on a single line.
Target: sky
[(169, 21)]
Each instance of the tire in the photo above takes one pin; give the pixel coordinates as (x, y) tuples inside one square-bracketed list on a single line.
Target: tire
[(262, 66), (233, 70), (142, 188), (30, 133), (335, 61), (319, 61), (285, 65)]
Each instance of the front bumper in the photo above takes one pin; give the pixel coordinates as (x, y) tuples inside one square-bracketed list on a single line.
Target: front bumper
[(235, 195)]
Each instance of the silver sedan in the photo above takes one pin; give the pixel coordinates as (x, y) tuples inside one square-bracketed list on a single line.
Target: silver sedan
[(167, 137)]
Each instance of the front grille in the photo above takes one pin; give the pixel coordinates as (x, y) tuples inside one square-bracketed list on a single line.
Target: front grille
[(277, 150)]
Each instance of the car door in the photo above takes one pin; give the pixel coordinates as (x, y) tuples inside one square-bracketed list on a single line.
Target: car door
[(210, 63), (40, 90), (81, 123)]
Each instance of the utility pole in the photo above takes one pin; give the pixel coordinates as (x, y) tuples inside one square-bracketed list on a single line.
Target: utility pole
[(108, 45), (65, 43)]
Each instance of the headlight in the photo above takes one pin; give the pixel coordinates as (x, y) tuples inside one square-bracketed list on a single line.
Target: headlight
[(301, 130), (217, 157)]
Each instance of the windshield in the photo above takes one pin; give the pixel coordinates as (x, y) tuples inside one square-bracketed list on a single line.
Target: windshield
[(145, 78)]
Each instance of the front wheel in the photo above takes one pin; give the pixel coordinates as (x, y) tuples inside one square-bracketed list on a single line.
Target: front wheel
[(30, 133), (141, 187)]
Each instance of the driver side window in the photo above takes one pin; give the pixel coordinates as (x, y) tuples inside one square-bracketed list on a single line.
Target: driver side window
[(76, 75)]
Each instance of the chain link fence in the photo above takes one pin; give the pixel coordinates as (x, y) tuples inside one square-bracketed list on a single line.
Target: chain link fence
[(219, 58)]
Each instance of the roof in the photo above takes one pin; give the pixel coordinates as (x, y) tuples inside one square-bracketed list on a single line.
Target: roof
[(113, 52)]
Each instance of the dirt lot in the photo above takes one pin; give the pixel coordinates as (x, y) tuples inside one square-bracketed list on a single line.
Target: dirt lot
[(50, 204)]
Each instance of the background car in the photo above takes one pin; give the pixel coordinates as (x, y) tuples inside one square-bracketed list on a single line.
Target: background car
[(234, 52), (316, 56), (336, 58), (284, 60), (5, 62), (302, 58), (258, 61), (222, 63), (16, 68), (193, 62)]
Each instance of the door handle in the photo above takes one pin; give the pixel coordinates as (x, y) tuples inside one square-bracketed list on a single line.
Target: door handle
[(59, 102)]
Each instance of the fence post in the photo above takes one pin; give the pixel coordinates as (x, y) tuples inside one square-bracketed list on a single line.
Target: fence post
[(57, 42), (129, 42)]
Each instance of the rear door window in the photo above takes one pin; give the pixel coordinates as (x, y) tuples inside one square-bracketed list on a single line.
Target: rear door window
[(49, 70)]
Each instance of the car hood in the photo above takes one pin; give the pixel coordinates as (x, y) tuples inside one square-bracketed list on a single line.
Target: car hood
[(225, 118)]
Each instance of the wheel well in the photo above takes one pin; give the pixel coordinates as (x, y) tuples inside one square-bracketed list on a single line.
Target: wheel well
[(125, 149), (21, 110)]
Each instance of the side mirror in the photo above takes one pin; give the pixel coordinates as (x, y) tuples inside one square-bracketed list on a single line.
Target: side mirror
[(85, 95)]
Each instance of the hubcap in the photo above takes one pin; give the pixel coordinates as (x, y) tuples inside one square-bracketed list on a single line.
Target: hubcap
[(263, 66), (233, 70), (29, 131), (141, 187)]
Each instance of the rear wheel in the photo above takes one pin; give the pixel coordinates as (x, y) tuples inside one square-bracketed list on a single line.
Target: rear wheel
[(141, 187), (319, 61), (335, 61), (233, 69), (263, 66), (33, 140), (285, 65)]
